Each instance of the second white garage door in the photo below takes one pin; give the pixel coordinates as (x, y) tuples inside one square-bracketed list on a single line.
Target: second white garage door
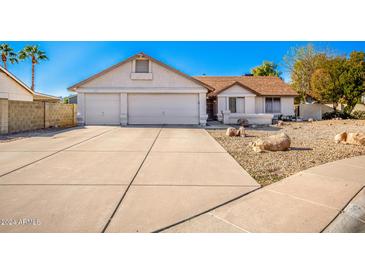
[(163, 109), (102, 109)]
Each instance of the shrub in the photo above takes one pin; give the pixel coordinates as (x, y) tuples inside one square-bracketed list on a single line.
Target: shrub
[(337, 114), (359, 114)]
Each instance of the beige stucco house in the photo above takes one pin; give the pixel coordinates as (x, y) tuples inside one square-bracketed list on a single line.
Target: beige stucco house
[(143, 90)]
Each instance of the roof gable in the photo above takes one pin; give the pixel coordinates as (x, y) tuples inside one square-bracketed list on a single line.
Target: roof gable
[(261, 85), (16, 80), (136, 56), (238, 84)]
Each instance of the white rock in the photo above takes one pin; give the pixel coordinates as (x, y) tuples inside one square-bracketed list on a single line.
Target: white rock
[(280, 142)]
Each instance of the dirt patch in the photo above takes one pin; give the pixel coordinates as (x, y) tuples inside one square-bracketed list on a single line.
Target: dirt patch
[(312, 145)]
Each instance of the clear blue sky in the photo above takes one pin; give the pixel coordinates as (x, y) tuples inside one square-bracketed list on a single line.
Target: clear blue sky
[(71, 62)]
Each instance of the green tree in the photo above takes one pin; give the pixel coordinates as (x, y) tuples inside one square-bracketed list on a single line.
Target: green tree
[(35, 55), (326, 80), (301, 62), (266, 69), (353, 80), (7, 54)]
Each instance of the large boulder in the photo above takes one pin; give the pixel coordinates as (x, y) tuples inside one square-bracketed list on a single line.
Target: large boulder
[(232, 132), (280, 142), (357, 138)]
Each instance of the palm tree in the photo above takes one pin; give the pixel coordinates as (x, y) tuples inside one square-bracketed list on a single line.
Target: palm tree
[(7, 53), (35, 54)]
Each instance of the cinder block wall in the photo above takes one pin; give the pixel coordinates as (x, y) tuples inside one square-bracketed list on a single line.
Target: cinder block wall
[(17, 116), (3, 116), (25, 116), (59, 115)]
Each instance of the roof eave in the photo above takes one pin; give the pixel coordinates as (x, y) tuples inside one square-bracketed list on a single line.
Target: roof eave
[(18, 81)]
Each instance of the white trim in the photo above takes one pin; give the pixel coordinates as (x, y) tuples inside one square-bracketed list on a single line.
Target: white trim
[(145, 89), (237, 95)]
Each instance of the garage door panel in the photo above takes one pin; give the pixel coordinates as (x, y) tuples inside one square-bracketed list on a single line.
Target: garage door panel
[(102, 109), (163, 109)]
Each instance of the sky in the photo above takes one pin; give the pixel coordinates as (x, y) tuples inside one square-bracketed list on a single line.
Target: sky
[(72, 62)]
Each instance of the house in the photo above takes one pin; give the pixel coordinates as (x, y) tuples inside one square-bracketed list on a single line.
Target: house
[(13, 89), (254, 98), (22, 109), (46, 98), (143, 90), (72, 99)]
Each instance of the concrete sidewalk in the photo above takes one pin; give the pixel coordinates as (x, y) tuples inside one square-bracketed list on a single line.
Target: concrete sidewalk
[(309, 201)]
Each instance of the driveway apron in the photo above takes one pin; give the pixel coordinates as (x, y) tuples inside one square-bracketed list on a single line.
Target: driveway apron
[(113, 179)]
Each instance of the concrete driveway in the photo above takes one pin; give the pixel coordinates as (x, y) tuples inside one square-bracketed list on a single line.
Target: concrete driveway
[(113, 179)]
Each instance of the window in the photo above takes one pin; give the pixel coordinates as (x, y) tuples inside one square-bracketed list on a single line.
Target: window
[(272, 105), (232, 104), (142, 66), (236, 104)]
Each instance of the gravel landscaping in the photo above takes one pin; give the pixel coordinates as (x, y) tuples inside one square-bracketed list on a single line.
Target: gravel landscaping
[(311, 145)]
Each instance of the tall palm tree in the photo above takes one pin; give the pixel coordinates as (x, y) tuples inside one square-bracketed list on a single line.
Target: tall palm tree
[(35, 55), (7, 53)]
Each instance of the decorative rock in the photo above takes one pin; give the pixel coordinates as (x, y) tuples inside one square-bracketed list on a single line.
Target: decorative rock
[(357, 138), (280, 123), (280, 142), (310, 120), (232, 132), (242, 132)]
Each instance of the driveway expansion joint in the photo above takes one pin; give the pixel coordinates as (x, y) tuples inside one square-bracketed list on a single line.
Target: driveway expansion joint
[(206, 211), (54, 153), (130, 184)]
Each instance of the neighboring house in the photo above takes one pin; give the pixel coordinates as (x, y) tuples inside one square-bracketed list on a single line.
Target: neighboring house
[(46, 98), (72, 99), (143, 90), (11, 88), (254, 98)]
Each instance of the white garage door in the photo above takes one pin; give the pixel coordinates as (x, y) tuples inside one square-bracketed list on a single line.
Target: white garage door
[(102, 109), (163, 109)]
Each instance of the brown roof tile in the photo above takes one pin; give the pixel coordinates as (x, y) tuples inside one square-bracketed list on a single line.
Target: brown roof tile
[(261, 85)]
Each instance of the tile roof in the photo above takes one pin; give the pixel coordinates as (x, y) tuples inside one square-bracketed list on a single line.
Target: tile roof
[(261, 85)]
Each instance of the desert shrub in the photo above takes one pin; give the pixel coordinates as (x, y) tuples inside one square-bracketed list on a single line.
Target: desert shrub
[(336, 114), (359, 114)]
